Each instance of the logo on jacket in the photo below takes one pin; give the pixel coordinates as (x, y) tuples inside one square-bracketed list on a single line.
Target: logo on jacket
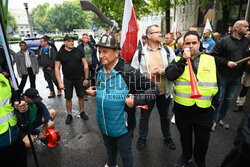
[(206, 70), (98, 83), (3, 84)]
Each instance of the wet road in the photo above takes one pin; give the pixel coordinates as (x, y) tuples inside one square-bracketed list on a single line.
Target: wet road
[(81, 143)]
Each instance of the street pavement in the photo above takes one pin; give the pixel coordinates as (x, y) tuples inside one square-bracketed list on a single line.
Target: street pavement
[(81, 142)]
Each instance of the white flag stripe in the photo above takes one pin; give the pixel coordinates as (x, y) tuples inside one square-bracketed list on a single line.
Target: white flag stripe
[(126, 18)]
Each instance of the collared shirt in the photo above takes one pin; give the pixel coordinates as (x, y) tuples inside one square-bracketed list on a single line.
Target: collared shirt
[(27, 58), (155, 61)]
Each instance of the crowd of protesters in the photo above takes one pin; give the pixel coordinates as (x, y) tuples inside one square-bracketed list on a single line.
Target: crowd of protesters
[(159, 74)]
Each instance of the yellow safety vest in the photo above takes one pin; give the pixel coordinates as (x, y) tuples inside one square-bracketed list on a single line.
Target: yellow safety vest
[(206, 84), (7, 116)]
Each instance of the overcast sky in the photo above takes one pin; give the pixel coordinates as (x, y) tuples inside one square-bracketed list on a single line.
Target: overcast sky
[(18, 4)]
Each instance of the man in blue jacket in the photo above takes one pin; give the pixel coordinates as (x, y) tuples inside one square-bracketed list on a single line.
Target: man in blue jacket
[(115, 88)]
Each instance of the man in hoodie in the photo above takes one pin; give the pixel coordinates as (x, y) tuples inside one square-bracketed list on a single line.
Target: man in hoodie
[(46, 59)]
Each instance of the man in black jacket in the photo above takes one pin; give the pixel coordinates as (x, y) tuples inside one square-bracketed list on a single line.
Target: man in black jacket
[(193, 114), (46, 59), (227, 52)]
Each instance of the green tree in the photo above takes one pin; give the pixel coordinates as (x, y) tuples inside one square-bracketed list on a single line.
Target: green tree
[(12, 22), (226, 6), (67, 16), (113, 9), (39, 18), (92, 18), (164, 6)]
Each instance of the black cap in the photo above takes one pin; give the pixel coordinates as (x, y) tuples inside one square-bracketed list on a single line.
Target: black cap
[(144, 36), (33, 94), (68, 37)]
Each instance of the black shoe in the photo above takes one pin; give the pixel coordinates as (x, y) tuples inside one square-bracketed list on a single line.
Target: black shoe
[(170, 143), (237, 108), (140, 143), (68, 119), (84, 116)]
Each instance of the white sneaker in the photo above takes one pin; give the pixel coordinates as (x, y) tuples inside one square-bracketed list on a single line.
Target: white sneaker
[(224, 124), (108, 166), (173, 120), (240, 101), (213, 127)]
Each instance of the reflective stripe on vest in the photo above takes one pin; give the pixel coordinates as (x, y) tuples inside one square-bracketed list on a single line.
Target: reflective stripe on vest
[(187, 95), (187, 83), (9, 115), (4, 102), (206, 83)]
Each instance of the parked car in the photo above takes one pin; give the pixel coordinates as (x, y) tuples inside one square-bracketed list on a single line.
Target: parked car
[(33, 44)]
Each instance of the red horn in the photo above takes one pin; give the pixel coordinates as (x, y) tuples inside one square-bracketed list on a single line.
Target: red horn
[(195, 93)]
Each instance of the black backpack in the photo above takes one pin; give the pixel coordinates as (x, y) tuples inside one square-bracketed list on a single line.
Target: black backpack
[(140, 53)]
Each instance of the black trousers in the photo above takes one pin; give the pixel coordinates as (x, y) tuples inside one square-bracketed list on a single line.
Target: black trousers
[(14, 155), (198, 120), (50, 77), (24, 80)]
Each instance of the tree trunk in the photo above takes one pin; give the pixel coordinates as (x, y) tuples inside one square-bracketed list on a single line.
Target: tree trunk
[(167, 18), (225, 18)]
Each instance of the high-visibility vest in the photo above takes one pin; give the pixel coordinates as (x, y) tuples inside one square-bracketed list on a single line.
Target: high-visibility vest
[(206, 80), (7, 116)]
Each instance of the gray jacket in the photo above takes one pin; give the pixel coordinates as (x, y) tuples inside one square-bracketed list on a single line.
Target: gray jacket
[(166, 61), (21, 65)]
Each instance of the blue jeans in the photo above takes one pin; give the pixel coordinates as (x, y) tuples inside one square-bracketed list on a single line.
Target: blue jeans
[(123, 144), (163, 107), (228, 88)]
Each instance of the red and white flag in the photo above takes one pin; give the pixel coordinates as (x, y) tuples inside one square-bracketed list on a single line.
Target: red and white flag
[(130, 28)]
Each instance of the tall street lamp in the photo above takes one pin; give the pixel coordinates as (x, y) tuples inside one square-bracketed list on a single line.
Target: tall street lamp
[(26, 8)]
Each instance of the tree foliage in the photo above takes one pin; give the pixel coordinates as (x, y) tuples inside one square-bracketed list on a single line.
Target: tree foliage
[(12, 21), (226, 5), (162, 5), (113, 9), (39, 17), (67, 16)]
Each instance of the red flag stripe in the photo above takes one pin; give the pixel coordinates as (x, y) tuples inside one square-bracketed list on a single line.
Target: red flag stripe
[(130, 42)]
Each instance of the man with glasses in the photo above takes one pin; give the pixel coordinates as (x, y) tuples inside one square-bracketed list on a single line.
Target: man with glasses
[(153, 63)]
